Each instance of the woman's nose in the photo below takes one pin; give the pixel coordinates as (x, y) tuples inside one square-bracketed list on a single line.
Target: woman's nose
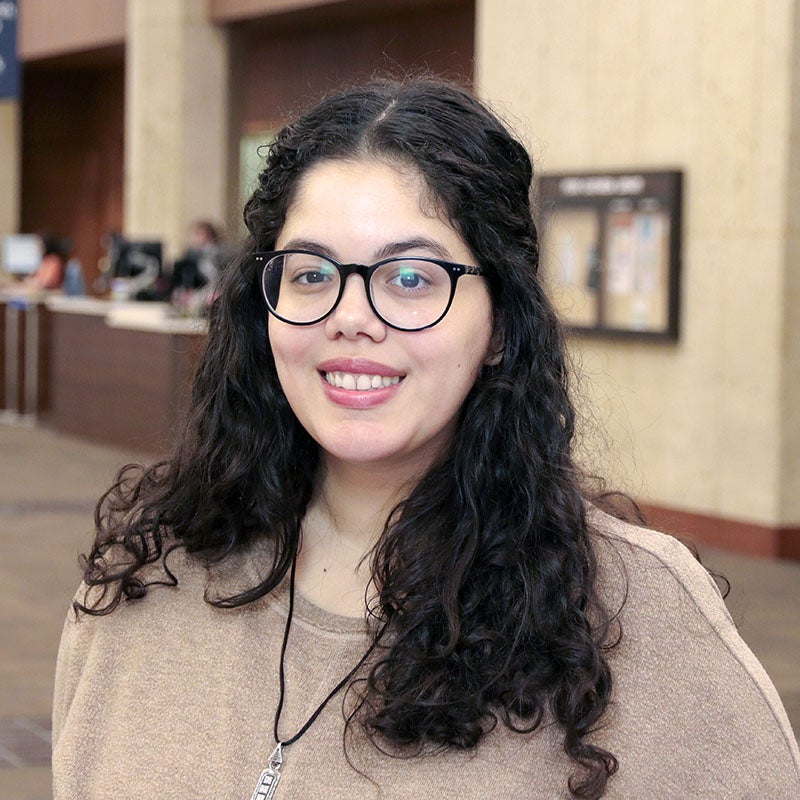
[(353, 316)]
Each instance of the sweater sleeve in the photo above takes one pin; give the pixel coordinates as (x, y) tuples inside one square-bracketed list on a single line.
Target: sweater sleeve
[(71, 654), (705, 711)]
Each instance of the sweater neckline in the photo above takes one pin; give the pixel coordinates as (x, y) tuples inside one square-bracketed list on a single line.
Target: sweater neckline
[(305, 611)]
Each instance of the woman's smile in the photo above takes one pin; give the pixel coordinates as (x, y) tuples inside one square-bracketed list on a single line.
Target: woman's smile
[(359, 383), (359, 374)]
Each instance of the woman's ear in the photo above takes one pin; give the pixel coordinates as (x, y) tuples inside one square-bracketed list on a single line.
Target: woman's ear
[(497, 345)]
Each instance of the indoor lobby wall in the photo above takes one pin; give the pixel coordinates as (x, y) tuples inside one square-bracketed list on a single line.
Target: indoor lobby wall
[(283, 69), (50, 28), (72, 155), (70, 151), (198, 93), (280, 67), (700, 425), (9, 166), (176, 120), (790, 367)]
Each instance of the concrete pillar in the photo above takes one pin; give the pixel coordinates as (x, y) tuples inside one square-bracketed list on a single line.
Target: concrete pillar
[(176, 119), (9, 166), (789, 410)]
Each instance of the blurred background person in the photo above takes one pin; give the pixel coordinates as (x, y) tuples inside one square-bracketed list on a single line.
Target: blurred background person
[(53, 269), (196, 273)]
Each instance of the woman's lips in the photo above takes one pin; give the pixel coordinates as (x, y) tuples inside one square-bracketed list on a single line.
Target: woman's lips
[(358, 382), (359, 366)]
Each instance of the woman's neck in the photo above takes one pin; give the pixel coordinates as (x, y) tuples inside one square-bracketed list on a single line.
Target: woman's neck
[(342, 524)]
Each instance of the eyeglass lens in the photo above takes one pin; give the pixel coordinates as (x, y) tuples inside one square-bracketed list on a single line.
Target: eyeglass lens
[(405, 292)]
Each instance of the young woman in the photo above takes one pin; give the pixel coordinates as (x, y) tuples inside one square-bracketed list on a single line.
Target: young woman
[(370, 569)]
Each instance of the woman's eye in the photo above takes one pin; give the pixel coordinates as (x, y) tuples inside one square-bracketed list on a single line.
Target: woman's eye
[(409, 279), (308, 272), (311, 276)]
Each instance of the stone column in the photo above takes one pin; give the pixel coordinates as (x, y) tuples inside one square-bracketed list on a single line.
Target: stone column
[(176, 120), (9, 166)]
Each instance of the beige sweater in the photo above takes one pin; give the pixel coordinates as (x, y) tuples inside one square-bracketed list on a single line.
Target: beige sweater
[(174, 699)]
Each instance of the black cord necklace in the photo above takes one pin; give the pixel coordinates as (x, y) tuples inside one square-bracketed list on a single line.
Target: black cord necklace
[(269, 778)]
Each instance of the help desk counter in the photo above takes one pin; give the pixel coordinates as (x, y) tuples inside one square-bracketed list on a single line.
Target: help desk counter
[(114, 371)]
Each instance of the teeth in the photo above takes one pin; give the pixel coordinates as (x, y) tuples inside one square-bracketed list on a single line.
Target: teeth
[(362, 383)]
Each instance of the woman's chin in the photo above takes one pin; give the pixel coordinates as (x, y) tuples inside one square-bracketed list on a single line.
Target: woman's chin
[(376, 452), (368, 453)]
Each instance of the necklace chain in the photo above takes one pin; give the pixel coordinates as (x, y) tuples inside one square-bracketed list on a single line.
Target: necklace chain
[(282, 672), (270, 777)]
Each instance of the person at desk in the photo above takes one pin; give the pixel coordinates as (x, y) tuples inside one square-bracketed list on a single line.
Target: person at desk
[(196, 273), (52, 270)]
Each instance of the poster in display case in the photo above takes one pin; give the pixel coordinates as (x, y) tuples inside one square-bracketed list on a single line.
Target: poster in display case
[(610, 251)]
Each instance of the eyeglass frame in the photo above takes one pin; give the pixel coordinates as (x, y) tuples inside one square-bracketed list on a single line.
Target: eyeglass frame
[(366, 271)]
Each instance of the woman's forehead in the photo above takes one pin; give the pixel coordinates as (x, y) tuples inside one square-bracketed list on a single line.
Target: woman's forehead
[(368, 199)]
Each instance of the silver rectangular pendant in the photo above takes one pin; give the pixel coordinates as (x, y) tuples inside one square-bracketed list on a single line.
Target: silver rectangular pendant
[(267, 784)]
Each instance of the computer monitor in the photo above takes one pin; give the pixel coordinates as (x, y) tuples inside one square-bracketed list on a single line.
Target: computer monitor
[(21, 253), (131, 258)]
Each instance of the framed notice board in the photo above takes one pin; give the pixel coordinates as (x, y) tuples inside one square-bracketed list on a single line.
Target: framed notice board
[(610, 251)]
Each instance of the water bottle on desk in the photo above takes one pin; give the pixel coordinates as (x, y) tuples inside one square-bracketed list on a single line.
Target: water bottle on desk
[(74, 284)]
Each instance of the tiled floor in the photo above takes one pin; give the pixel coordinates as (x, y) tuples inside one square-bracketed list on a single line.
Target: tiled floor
[(24, 742), (48, 487)]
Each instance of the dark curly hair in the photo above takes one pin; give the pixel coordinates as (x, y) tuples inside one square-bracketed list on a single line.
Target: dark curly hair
[(485, 573)]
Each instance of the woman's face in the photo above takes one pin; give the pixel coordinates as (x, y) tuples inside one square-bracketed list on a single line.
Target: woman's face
[(360, 211)]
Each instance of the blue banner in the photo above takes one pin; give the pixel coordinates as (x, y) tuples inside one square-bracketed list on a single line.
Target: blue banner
[(9, 66)]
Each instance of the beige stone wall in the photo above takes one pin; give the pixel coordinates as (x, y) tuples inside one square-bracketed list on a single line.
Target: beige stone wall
[(9, 166), (709, 424), (176, 119), (55, 27), (790, 384), (790, 331), (233, 10)]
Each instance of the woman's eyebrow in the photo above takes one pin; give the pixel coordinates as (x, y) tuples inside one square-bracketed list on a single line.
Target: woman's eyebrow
[(386, 251), (309, 244), (416, 243)]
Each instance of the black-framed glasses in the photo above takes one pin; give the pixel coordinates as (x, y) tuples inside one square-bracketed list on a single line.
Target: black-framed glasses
[(408, 293)]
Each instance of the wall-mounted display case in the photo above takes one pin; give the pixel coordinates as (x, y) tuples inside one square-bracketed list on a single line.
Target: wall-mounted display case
[(610, 251)]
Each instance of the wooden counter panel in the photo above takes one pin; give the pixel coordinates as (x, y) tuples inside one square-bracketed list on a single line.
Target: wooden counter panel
[(2, 356), (23, 357), (119, 386)]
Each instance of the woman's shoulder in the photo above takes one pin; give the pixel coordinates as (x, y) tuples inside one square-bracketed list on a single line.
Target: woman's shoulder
[(681, 669), (173, 568), (657, 584), (172, 593), (156, 632), (177, 582), (628, 552)]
